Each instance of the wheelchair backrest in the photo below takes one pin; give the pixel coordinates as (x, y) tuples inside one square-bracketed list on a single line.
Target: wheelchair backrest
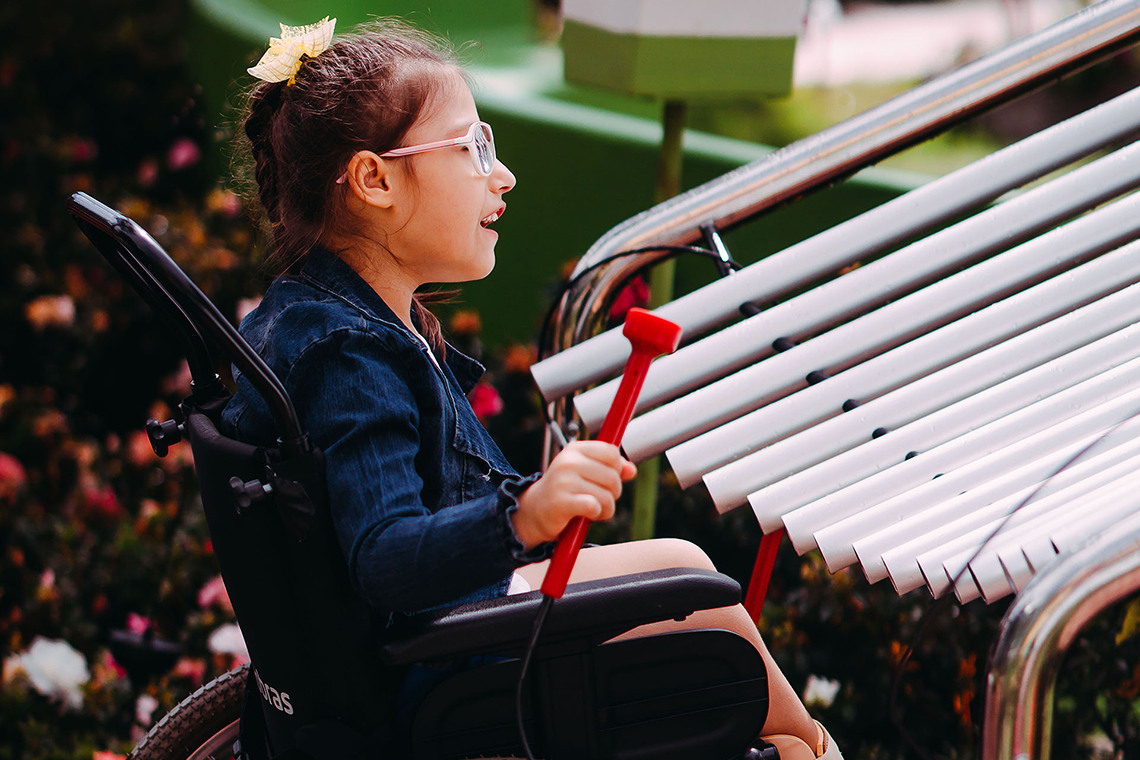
[(308, 634)]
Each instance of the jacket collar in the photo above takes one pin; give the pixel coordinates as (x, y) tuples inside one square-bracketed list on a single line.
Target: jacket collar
[(333, 273)]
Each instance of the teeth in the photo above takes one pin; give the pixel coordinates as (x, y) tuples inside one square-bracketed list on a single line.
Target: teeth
[(491, 219)]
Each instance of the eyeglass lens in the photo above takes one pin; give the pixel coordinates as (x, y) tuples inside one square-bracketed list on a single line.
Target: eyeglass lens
[(485, 149)]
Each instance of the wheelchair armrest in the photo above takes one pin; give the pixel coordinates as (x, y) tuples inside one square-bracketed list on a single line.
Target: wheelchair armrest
[(589, 613)]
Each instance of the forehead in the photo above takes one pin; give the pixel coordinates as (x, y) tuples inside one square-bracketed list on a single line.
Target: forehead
[(449, 112)]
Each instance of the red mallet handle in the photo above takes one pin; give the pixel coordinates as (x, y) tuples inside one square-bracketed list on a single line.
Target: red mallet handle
[(649, 336)]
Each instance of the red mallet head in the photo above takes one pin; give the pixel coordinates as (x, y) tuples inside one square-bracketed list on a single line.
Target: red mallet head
[(651, 334)]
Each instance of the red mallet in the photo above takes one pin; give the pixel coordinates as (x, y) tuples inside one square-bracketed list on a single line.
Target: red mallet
[(649, 336)]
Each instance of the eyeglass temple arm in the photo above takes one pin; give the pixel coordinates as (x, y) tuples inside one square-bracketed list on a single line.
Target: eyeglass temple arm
[(411, 149)]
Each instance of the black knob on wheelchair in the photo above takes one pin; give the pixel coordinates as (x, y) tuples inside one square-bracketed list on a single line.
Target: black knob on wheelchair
[(763, 752), (248, 493), (163, 435)]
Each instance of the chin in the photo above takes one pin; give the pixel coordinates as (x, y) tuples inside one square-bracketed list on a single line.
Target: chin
[(487, 270), (488, 264), (474, 273)]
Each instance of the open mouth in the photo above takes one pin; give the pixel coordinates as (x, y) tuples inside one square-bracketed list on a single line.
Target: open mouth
[(489, 220)]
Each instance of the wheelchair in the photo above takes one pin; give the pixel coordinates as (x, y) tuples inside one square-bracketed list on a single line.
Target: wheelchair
[(321, 683)]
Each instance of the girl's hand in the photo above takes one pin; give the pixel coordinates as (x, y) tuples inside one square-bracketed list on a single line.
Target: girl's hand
[(584, 480)]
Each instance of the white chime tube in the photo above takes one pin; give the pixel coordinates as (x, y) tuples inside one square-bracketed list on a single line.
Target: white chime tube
[(892, 369), (929, 411), (833, 302), (866, 235)]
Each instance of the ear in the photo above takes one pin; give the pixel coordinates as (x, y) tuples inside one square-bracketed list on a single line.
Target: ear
[(370, 179)]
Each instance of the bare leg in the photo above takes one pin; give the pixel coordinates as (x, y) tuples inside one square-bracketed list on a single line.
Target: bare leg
[(786, 714)]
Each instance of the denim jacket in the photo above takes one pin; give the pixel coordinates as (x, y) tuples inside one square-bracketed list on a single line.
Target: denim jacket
[(420, 495)]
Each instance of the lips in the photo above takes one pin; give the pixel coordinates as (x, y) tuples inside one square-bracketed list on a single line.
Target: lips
[(490, 219)]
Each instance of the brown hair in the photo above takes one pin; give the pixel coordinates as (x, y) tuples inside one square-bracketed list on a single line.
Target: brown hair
[(363, 93)]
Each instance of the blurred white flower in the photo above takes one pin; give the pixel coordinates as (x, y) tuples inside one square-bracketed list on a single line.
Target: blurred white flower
[(227, 639), (56, 670), (820, 692), (144, 709)]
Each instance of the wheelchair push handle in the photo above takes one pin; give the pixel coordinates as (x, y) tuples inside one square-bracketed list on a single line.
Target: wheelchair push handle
[(649, 336)]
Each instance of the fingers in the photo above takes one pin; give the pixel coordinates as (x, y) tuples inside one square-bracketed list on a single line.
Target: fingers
[(594, 504), (590, 494), (606, 454), (584, 480)]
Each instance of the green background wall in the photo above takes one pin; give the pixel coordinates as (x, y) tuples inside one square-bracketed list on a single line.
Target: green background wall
[(585, 159)]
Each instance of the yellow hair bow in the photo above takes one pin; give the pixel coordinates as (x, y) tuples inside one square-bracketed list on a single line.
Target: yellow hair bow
[(283, 58)]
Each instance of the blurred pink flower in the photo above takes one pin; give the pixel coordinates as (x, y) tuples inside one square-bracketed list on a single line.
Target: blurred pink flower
[(110, 666), (12, 477), (47, 592), (224, 202), (100, 502), (102, 754), (80, 149), (50, 311), (147, 173), (191, 668), (636, 293), (139, 452), (214, 592), (137, 623), (485, 401), (183, 153)]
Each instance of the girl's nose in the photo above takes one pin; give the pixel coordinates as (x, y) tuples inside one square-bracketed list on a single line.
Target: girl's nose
[(501, 178)]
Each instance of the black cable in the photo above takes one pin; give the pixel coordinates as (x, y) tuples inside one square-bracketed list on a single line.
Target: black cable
[(564, 288), (547, 603)]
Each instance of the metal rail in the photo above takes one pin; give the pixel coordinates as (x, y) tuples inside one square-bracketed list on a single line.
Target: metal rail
[(1037, 630)]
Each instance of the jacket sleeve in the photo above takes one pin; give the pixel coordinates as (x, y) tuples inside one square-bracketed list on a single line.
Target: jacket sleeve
[(401, 556)]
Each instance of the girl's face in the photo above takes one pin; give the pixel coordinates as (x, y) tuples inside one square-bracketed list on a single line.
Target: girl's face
[(442, 229)]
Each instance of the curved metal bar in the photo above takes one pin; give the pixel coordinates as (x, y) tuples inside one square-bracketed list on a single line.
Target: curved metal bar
[(163, 278), (1037, 630), (1086, 37)]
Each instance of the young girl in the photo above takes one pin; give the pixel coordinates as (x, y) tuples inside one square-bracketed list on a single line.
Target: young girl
[(378, 177)]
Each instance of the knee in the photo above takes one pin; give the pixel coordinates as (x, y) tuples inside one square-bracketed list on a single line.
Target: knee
[(676, 552)]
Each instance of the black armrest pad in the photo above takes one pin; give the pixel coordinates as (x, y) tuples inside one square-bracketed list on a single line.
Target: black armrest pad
[(590, 612)]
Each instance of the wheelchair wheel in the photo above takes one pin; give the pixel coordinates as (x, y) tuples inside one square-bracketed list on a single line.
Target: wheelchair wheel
[(204, 726)]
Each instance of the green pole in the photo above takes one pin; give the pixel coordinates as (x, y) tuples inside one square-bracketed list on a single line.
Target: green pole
[(660, 292)]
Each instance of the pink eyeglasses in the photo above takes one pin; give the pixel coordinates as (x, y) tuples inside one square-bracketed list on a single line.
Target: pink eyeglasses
[(479, 137)]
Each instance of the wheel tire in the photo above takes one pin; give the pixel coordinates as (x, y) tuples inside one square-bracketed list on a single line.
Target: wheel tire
[(202, 726)]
